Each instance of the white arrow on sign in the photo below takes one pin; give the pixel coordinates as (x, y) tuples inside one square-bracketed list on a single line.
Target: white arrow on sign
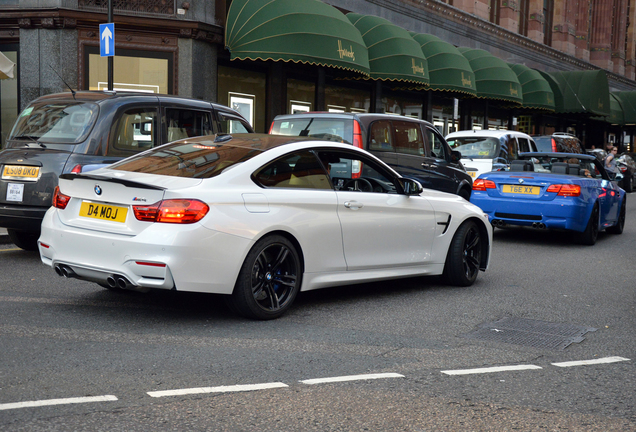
[(106, 34)]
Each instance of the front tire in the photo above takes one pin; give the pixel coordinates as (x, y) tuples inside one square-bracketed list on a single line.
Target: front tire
[(464, 255), (269, 279), (26, 240), (589, 236)]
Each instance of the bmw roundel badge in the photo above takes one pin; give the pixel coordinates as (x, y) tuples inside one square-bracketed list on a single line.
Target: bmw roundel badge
[(520, 181), (98, 190)]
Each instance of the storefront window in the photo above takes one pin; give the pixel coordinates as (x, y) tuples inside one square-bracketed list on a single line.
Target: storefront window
[(402, 106), (445, 116), (142, 71), (8, 96), (300, 96), (243, 91), (343, 99)]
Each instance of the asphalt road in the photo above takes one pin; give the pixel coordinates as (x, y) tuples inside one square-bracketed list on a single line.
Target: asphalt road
[(77, 357)]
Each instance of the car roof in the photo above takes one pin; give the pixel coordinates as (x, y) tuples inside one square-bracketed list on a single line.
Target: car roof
[(349, 115), (487, 133)]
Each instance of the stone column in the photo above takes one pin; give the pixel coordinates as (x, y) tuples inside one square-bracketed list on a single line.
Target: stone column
[(601, 30), (630, 59), (536, 20), (619, 27), (197, 69), (563, 24), (582, 33), (509, 16)]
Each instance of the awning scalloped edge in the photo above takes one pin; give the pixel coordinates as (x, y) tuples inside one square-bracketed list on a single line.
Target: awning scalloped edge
[(302, 62)]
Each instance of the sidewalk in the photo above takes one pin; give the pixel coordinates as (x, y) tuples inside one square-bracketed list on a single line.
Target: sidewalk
[(4, 237)]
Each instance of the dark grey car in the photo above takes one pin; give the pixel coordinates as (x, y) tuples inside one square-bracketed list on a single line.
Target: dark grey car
[(414, 148), (69, 132)]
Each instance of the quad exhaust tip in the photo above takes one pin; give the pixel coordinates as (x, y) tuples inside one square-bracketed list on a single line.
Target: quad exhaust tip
[(65, 271)]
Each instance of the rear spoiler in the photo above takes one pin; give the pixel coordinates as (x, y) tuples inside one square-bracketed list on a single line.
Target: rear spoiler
[(127, 183)]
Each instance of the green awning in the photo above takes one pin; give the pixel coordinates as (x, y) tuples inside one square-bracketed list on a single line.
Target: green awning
[(537, 92), (493, 77), (448, 69), (627, 100), (393, 54), (584, 92), (301, 31)]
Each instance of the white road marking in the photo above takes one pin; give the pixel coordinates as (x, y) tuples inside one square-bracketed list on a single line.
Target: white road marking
[(351, 378), (490, 370), (591, 362), (220, 389), (48, 402)]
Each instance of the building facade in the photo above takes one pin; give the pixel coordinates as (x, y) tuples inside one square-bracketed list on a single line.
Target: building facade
[(194, 48)]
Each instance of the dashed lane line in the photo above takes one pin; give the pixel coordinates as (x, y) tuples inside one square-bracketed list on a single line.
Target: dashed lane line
[(220, 389), (490, 369), (603, 360), (49, 402), (351, 378)]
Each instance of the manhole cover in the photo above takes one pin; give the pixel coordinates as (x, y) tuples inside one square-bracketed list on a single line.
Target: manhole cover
[(533, 333)]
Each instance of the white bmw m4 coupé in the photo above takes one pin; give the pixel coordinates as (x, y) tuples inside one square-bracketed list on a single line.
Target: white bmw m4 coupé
[(258, 218)]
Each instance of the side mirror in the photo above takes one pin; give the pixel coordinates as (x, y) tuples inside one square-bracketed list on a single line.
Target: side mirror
[(411, 187), (456, 156)]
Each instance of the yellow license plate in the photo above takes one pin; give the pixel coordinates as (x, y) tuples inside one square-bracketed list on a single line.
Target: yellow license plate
[(521, 189), (102, 211), (473, 174), (20, 172)]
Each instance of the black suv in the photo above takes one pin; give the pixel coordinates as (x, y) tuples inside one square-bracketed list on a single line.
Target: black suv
[(69, 132), (558, 142), (414, 148)]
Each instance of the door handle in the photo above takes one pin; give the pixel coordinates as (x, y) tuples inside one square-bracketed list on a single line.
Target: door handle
[(353, 205)]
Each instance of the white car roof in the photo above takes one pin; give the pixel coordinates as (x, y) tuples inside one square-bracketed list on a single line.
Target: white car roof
[(487, 133)]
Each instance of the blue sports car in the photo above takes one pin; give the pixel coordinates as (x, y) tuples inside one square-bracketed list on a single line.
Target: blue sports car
[(555, 191)]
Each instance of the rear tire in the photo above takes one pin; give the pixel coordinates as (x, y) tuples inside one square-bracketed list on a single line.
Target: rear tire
[(464, 193), (589, 236), (269, 279), (464, 255), (27, 240), (620, 224)]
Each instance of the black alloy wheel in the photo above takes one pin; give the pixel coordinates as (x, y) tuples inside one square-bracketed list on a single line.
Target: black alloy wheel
[(589, 236), (26, 240), (464, 255), (269, 279)]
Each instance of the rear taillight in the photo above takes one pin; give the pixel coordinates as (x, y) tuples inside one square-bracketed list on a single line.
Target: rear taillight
[(356, 166), (566, 190), (181, 211), (271, 128), (622, 168), (76, 169), (59, 199), (482, 185), (554, 146)]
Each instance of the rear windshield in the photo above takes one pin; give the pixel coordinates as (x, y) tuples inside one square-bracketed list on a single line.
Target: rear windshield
[(63, 123), (476, 147), (544, 144), (330, 129), (195, 160)]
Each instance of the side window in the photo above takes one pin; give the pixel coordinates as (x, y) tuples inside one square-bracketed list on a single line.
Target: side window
[(355, 173), (183, 123), (513, 149), (524, 146), (300, 170), (136, 130), (408, 138), (437, 145), (232, 124), (380, 136)]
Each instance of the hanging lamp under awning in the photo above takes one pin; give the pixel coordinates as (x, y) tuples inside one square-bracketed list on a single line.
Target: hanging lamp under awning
[(300, 31), (448, 69), (393, 53), (494, 78), (537, 92)]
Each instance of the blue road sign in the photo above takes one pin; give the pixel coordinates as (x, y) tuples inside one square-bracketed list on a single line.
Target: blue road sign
[(107, 40)]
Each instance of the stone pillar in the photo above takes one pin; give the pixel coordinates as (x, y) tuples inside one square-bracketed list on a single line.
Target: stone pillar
[(563, 26), (197, 69), (601, 31), (536, 20), (619, 25), (630, 59), (582, 33), (481, 8), (509, 16), (48, 59)]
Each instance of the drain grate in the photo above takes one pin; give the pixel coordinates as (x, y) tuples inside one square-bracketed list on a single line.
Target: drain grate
[(533, 333)]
